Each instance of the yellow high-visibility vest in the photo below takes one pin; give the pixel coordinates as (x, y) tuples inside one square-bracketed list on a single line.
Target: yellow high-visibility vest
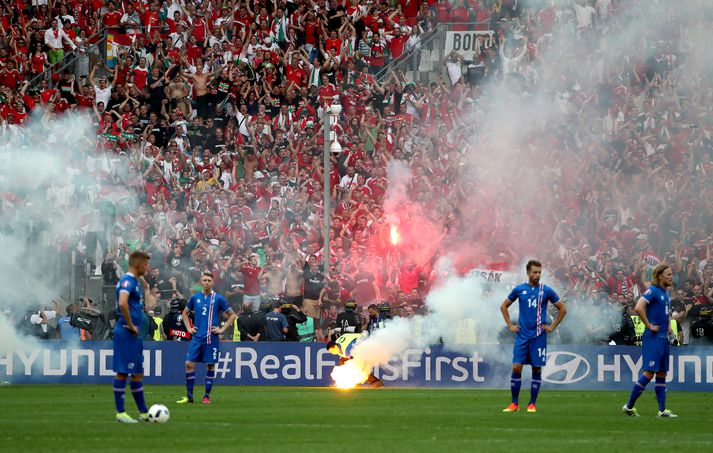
[(346, 342), (639, 328), (157, 332)]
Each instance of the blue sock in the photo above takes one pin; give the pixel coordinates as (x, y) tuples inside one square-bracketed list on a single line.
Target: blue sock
[(190, 382), (660, 390), (209, 378), (515, 382), (119, 394), (535, 386), (638, 389), (137, 389)]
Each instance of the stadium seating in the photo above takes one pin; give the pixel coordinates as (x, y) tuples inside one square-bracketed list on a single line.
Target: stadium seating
[(222, 103)]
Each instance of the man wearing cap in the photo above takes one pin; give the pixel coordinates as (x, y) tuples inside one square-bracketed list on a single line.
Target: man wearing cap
[(155, 314), (294, 317), (276, 324)]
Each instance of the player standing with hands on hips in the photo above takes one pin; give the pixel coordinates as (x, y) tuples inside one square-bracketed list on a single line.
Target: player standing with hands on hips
[(654, 309), (531, 331), (205, 343), (128, 346)]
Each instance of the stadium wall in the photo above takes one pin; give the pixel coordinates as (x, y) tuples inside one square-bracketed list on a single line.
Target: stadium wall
[(576, 367)]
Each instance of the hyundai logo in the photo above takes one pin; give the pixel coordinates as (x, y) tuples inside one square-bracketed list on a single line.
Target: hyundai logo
[(565, 368)]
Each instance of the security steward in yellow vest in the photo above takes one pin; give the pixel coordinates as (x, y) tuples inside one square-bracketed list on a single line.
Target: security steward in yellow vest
[(343, 347), (156, 316), (305, 330), (639, 328)]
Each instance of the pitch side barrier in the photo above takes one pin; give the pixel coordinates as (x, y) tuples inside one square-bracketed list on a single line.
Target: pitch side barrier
[(577, 367)]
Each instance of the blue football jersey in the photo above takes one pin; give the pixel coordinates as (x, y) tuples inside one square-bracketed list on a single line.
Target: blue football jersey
[(206, 314), (130, 285), (658, 306), (532, 307)]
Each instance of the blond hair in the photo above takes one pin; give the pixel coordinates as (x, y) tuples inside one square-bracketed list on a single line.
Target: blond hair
[(658, 270)]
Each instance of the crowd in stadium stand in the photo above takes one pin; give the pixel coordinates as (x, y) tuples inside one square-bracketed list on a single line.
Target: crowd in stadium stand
[(213, 111)]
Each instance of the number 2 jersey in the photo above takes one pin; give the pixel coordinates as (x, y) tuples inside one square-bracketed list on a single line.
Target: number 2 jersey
[(532, 303), (206, 314)]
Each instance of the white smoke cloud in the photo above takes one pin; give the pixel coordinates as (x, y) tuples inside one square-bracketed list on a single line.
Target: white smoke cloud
[(51, 178), (511, 179), (399, 176), (462, 313)]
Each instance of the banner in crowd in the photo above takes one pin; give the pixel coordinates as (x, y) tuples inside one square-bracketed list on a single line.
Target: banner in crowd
[(573, 367), (496, 276), (466, 42), (110, 51)]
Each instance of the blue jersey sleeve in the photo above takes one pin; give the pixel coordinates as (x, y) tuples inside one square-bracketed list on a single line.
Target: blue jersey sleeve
[(552, 296), (223, 305), (191, 302), (127, 284), (649, 295), (512, 297)]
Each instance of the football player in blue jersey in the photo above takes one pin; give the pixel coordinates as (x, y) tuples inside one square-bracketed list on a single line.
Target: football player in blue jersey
[(205, 328), (531, 331), (654, 310), (132, 292)]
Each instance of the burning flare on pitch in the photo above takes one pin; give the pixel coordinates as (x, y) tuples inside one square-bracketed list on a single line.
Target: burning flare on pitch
[(349, 375), (395, 235)]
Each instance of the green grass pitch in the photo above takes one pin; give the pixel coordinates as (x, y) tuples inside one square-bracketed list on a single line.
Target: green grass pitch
[(270, 419)]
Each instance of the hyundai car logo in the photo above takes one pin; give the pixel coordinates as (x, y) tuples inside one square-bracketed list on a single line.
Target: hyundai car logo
[(565, 368)]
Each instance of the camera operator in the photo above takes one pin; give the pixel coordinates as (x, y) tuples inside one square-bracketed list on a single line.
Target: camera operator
[(702, 326), (173, 327), (95, 324), (681, 312), (294, 317), (624, 332), (65, 329)]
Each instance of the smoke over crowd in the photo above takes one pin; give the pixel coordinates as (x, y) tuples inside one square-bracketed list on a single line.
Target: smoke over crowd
[(54, 179), (586, 143), (557, 159)]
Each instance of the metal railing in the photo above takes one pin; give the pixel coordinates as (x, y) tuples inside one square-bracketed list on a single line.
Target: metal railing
[(71, 59), (410, 61)]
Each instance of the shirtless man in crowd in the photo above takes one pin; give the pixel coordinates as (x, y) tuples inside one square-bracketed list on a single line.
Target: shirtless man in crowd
[(176, 93), (275, 279), (201, 91), (293, 286)]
